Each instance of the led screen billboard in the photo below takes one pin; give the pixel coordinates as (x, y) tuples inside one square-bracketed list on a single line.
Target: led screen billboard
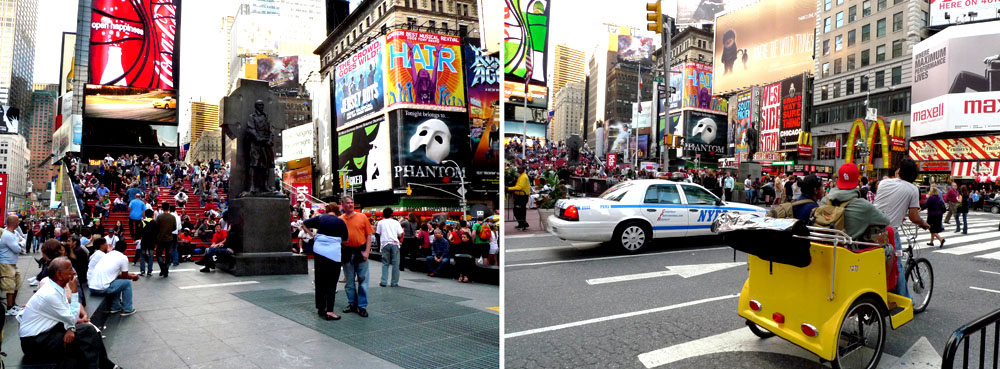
[(279, 72), (697, 86), (429, 146), (364, 152), (944, 12), (133, 104), (483, 77), (791, 111), (424, 69), (526, 37), (704, 134), (516, 128), (739, 122), (770, 118), (537, 95), (704, 11), (631, 48), (359, 84), (66, 67), (751, 48), (134, 43)]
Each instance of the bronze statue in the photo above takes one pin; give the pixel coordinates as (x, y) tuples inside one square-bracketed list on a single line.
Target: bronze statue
[(261, 151)]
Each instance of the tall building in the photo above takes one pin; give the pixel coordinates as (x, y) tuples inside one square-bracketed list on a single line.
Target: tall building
[(17, 52), (568, 117), (14, 155), (208, 147), (863, 52), (204, 118), (570, 66), (594, 94), (692, 44), (54, 87), (41, 124)]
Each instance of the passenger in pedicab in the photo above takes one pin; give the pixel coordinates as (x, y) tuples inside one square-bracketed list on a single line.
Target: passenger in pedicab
[(812, 191)]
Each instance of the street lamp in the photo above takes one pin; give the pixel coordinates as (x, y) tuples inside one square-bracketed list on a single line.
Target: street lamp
[(461, 190)]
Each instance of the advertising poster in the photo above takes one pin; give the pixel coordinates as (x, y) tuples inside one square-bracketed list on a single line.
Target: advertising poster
[(618, 134), (133, 43), (740, 122), (752, 48), (958, 10), (705, 134), (10, 116), (643, 144), (3, 195), (632, 48), (697, 91), (526, 37), (791, 111), (423, 68), (360, 84), (642, 114), (280, 72), (676, 83), (364, 152), (66, 67), (297, 142), (537, 95), (705, 11), (956, 81), (483, 78), (325, 161), (770, 118), (430, 146), (128, 103), (671, 125), (301, 180)]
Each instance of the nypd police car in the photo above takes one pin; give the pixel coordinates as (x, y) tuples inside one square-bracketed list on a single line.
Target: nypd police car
[(632, 213)]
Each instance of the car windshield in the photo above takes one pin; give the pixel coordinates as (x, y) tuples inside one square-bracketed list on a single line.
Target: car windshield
[(616, 192)]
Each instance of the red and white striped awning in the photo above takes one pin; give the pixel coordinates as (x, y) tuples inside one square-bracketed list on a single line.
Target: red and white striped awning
[(981, 171)]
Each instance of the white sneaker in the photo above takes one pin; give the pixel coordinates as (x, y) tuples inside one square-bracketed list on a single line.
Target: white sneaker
[(14, 310), (32, 281)]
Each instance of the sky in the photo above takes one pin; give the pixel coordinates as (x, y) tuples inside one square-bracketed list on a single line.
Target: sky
[(580, 23)]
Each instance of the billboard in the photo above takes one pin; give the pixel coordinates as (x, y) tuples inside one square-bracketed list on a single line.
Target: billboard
[(134, 43), (360, 84), (697, 91), (323, 115), (618, 135), (791, 111), (703, 11), (943, 12), (632, 48), (739, 121), (297, 142), (3, 196), (526, 37), (956, 81), (676, 83), (751, 48), (128, 103), (10, 116), (770, 118), (705, 133), (537, 95), (430, 146), (301, 180), (642, 114), (279, 72), (364, 152), (68, 136), (516, 128), (483, 78), (66, 67), (962, 148), (423, 68)]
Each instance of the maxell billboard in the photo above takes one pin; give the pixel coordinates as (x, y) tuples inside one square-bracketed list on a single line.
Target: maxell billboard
[(956, 81)]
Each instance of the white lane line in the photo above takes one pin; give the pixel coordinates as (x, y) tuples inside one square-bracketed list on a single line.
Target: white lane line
[(571, 246), (987, 271), (609, 257), (218, 285), (517, 236), (984, 289), (983, 246), (685, 271), (738, 340), (993, 255), (615, 317)]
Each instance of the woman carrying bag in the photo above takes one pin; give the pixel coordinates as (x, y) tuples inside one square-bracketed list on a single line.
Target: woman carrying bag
[(330, 232), (935, 211)]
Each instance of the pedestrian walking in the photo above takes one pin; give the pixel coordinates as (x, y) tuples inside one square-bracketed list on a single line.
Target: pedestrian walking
[(935, 210), (390, 234), (411, 243), (962, 211), (520, 191), (951, 198)]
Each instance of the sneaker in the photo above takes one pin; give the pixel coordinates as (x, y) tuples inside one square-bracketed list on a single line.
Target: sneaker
[(380, 284), (350, 309), (363, 312), (114, 311), (205, 270), (14, 310), (127, 313)]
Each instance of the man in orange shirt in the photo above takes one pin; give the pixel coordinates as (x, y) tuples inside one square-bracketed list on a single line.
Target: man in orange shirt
[(354, 257)]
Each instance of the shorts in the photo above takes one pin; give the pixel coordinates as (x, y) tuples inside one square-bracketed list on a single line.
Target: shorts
[(10, 278)]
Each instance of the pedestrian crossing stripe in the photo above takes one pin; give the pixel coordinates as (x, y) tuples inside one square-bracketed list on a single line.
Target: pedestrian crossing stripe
[(994, 255)]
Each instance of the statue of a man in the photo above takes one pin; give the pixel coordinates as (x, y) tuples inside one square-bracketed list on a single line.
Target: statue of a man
[(261, 163)]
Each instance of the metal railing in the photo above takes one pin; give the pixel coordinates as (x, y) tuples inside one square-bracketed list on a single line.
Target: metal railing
[(70, 213), (291, 189), (961, 338)]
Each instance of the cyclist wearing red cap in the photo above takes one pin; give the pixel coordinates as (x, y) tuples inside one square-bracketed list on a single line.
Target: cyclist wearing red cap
[(858, 215)]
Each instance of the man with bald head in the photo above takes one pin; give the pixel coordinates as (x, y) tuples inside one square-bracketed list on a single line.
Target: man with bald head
[(57, 328), (10, 277)]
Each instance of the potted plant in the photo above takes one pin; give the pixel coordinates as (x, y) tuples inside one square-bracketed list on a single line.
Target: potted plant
[(547, 198)]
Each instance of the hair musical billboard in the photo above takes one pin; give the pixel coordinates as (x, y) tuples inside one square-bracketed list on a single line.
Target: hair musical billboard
[(424, 69)]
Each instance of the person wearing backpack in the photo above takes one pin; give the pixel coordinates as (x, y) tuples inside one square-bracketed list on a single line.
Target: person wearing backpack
[(481, 239), (803, 206), (839, 210)]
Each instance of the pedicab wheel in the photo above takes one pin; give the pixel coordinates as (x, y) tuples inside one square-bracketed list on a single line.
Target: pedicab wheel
[(862, 336), (759, 331), (920, 281)]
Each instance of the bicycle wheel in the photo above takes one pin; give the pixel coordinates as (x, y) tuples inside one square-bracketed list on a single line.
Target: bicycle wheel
[(920, 282), (759, 331), (862, 336)]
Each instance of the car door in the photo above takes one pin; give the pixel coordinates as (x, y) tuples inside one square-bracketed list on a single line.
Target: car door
[(702, 209), (663, 207)]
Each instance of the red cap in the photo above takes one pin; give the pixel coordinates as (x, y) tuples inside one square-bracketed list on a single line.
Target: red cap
[(847, 176)]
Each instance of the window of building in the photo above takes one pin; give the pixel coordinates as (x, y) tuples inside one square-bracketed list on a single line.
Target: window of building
[(850, 86), (441, 5), (881, 5), (840, 19), (836, 67), (463, 29), (851, 37), (865, 57), (897, 48), (880, 79), (826, 25), (444, 25), (866, 32), (826, 47), (897, 75), (880, 53), (431, 22), (411, 20), (823, 93), (866, 8), (826, 70), (852, 14), (880, 28), (828, 4), (836, 90), (840, 2), (838, 43), (897, 22), (433, 6)]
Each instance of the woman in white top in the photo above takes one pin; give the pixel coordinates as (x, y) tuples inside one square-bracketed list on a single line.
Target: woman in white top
[(491, 259)]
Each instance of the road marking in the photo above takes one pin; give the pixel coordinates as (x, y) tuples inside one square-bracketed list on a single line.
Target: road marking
[(977, 247), (494, 308), (518, 236), (987, 271), (530, 249), (994, 255), (615, 317), (218, 285), (984, 289), (609, 257), (685, 271)]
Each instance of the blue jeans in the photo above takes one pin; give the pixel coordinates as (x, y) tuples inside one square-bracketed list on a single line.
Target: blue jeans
[(437, 269), (120, 291), (146, 257), (962, 220), (749, 196), (356, 273), (901, 288), (390, 257), (173, 252)]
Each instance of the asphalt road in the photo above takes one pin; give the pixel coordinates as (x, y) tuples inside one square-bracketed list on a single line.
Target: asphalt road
[(144, 112), (555, 319)]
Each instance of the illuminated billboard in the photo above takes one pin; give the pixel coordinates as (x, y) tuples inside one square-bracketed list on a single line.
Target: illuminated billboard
[(526, 37), (704, 133), (134, 43), (364, 152), (359, 84), (537, 95), (770, 118), (632, 48), (482, 74), (739, 121), (429, 147), (791, 111), (279, 72), (692, 11), (423, 69), (133, 104), (752, 49), (66, 70)]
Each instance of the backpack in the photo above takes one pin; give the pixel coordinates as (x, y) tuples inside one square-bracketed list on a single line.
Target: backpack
[(830, 216), (786, 210), (484, 232)]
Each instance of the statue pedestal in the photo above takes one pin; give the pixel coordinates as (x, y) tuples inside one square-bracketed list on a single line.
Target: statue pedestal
[(261, 237)]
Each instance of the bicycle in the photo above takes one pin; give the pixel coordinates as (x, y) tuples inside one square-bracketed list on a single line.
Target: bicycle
[(918, 273)]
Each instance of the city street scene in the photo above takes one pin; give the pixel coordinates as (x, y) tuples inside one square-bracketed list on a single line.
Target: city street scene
[(250, 184), (751, 184)]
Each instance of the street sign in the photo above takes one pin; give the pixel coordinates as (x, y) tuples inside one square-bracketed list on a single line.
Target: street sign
[(461, 191), (786, 162)]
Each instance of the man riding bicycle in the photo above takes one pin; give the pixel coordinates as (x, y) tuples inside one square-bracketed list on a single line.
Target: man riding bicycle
[(898, 198)]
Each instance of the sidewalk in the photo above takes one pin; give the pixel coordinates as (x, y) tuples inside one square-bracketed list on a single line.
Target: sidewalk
[(534, 224), (216, 320)]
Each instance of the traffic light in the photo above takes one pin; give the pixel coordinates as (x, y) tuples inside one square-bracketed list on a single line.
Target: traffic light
[(653, 13), (409, 191)]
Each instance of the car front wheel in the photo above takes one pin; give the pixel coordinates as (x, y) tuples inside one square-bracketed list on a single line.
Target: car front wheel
[(633, 236), (995, 209)]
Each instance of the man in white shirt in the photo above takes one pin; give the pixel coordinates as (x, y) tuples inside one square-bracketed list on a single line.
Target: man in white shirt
[(390, 236), (111, 277), (101, 248), (10, 277), (176, 232), (58, 329)]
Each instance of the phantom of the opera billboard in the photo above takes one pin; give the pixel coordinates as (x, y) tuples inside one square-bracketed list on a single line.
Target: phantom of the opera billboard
[(430, 147)]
